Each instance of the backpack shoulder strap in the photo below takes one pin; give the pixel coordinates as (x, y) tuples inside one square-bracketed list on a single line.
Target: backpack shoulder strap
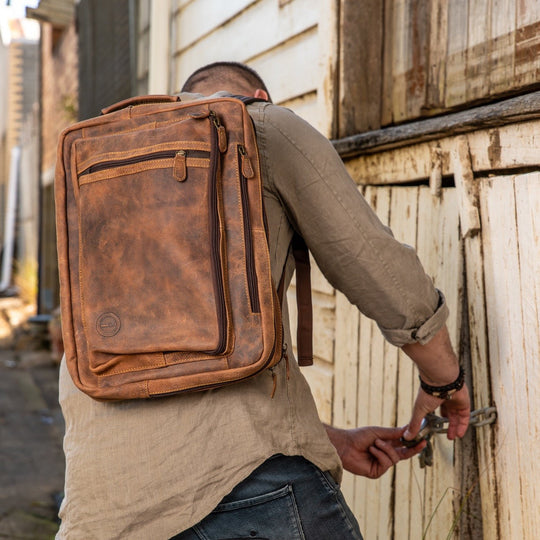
[(304, 332)]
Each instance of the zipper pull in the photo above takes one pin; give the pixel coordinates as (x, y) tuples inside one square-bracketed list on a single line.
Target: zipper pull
[(221, 133), (274, 381), (247, 168), (286, 356), (179, 167), (199, 115)]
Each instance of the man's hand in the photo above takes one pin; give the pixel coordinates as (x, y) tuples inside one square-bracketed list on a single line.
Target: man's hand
[(371, 451), (438, 366), (457, 410)]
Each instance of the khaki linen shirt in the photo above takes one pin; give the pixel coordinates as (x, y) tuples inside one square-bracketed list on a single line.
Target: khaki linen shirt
[(151, 468)]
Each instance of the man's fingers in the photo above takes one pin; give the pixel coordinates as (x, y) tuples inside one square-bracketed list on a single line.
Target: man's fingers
[(388, 449), (384, 461), (407, 453), (458, 424), (414, 425), (458, 411)]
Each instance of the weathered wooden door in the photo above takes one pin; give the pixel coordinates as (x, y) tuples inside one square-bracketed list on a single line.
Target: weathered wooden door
[(375, 383), (480, 242), (510, 215)]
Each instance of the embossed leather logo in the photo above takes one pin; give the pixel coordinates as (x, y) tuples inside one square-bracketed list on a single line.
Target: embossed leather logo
[(108, 324)]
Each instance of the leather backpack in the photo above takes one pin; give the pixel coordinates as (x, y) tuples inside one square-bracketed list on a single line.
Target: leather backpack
[(163, 254)]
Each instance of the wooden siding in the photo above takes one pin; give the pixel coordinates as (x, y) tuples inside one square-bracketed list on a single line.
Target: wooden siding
[(498, 227), (284, 49), (376, 384), (510, 207), (431, 56), (143, 46)]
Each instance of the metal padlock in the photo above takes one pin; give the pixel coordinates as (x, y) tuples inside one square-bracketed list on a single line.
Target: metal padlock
[(426, 430)]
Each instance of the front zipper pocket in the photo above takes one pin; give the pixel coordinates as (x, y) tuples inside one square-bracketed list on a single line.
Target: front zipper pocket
[(153, 156), (245, 170), (149, 225), (179, 159)]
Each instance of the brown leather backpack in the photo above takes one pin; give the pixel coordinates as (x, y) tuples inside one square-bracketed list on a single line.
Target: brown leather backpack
[(163, 255)]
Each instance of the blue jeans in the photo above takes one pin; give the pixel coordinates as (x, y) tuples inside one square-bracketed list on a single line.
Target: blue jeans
[(286, 498)]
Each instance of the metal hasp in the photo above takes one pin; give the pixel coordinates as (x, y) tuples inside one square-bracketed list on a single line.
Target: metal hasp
[(433, 424)]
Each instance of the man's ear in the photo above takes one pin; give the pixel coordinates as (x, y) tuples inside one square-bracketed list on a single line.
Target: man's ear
[(261, 94)]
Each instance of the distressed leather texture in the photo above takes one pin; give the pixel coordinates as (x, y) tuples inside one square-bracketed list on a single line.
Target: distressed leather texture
[(163, 256)]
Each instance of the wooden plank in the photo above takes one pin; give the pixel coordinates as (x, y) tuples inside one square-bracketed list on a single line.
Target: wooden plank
[(509, 147), (373, 498), (198, 20), (527, 193), (346, 363), (456, 82), (328, 90), (278, 28), (324, 322), (360, 66), (507, 369), (527, 52), (481, 389), (320, 379), (438, 42), (288, 70), (388, 418), (388, 63), (510, 111), (408, 506), (362, 485), (346, 376), (375, 396), (466, 188), (501, 65), (417, 70), (159, 53), (439, 249), (478, 50), (201, 17), (383, 397), (292, 69), (401, 27)]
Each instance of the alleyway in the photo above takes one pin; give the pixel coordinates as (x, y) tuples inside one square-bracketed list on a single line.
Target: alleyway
[(31, 427)]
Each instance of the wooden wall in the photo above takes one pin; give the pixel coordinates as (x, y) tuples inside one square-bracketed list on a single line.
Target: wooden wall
[(498, 245), (376, 384), (281, 40), (143, 46), (417, 58)]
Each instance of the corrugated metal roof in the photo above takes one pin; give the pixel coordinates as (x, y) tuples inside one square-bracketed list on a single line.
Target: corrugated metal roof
[(57, 12)]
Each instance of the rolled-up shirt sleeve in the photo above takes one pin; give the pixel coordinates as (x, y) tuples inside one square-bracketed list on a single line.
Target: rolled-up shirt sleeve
[(358, 255)]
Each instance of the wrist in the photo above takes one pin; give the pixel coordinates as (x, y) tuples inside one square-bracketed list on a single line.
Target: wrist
[(444, 391), (339, 439), (441, 376)]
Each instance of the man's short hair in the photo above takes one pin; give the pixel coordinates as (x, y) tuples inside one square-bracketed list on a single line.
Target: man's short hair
[(224, 72)]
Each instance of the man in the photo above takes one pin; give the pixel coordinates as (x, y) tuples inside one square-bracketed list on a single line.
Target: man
[(236, 462)]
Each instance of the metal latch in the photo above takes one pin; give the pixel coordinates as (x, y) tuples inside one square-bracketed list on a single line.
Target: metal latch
[(433, 425)]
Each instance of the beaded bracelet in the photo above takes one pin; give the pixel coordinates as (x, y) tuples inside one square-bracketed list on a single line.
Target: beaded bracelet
[(446, 391)]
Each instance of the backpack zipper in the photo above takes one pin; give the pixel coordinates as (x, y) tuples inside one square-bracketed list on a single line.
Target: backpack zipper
[(164, 154), (243, 161), (215, 249)]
